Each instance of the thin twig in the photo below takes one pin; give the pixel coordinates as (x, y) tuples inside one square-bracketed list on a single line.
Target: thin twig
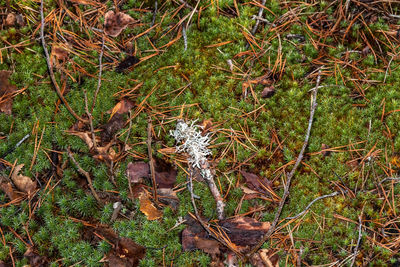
[(151, 161), (129, 131), (53, 79), (100, 73), (260, 12), (311, 203), (203, 224), (185, 44), (90, 121), (291, 174), (358, 241), (154, 13), (84, 173), (396, 179)]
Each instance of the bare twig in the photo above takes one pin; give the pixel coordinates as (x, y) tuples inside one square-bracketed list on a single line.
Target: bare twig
[(291, 174), (154, 13), (100, 73), (311, 203), (396, 179), (184, 37), (84, 173), (90, 121), (260, 12), (358, 241), (50, 68), (151, 160)]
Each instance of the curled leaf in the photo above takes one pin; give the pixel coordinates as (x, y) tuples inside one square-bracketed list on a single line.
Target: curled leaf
[(148, 208), (116, 22), (23, 183)]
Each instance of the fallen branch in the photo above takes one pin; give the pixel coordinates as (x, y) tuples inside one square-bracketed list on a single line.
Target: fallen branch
[(50, 68), (291, 174), (311, 203), (84, 173), (151, 160), (196, 146)]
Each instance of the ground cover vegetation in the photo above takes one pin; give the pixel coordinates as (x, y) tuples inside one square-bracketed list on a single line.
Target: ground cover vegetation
[(89, 172)]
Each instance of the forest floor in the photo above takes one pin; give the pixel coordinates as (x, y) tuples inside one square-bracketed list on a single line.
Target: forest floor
[(297, 105)]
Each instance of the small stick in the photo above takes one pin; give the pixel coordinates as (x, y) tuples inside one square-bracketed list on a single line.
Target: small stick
[(12, 149), (154, 13), (358, 241), (260, 12), (311, 203), (184, 38), (151, 161), (90, 121), (84, 173), (100, 73), (129, 131), (291, 174), (50, 68)]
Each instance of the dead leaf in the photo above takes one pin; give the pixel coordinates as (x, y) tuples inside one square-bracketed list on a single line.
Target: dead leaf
[(9, 191), (165, 174), (207, 245), (137, 170), (122, 107), (256, 183), (11, 19), (244, 232), (23, 183), (6, 92), (34, 258), (85, 136), (265, 258), (115, 124), (268, 92), (125, 252), (58, 55), (127, 63), (207, 126), (168, 196), (148, 208), (115, 23)]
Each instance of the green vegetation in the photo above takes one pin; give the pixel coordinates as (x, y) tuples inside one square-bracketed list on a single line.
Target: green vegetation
[(356, 90)]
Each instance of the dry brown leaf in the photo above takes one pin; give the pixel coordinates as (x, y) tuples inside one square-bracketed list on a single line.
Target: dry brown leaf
[(34, 258), (268, 92), (148, 208), (23, 183), (168, 196), (6, 92), (85, 136), (115, 23), (137, 170), (58, 55), (122, 107), (9, 191), (256, 183), (11, 19)]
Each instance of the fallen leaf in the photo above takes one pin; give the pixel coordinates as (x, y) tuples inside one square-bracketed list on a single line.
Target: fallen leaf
[(148, 208), (127, 63), (268, 92), (23, 183), (206, 126), (9, 191), (115, 23), (122, 107), (85, 136), (6, 92), (115, 124), (125, 252), (256, 183), (11, 19), (168, 197), (137, 170), (165, 174), (244, 232), (58, 55), (34, 258), (207, 245)]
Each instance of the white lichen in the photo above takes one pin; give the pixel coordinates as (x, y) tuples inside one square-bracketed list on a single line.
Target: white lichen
[(193, 143)]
